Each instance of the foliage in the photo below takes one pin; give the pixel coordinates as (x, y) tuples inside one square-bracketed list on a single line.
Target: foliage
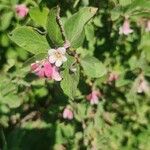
[(105, 80)]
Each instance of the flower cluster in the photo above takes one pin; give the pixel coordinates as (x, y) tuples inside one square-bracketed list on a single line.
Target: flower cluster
[(45, 69), (48, 68)]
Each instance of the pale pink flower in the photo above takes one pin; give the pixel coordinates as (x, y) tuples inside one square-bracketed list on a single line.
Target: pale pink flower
[(93, 97), (113, 76), (148, 26), (67, 114), (21, 10), (45, 69), (57, 56), (143, 86), (125, 28)]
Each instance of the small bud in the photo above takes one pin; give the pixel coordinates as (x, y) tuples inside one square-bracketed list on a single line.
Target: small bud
[(67, 114), (21, 10), (125, 28), (94, 96)]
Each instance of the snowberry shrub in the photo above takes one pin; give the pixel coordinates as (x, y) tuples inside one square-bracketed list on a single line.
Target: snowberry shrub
[(75, 74)]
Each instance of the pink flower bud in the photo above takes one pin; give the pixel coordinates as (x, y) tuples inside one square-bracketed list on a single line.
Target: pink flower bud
[(93, 97), (113, 76), (45, 69), (21, 10), (125, 28), (67, 114), (147, 26), (143, 86)]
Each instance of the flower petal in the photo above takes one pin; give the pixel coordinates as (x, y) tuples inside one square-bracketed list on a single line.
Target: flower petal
[(62, 50), (48, 69), (52, 59), (56, 75), (64, 58), (51, 51), (40, 73), (58, 63)]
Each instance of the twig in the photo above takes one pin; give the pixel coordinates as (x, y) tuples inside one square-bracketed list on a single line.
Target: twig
[(58, 19)]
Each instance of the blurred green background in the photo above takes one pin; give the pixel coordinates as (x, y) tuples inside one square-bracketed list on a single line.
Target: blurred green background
[(31, 108)]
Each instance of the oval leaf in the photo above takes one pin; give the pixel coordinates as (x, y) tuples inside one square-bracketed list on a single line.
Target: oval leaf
[(29, 40), (70, 79), (53, 29), (39, 16), (75, 24), (93, 67)]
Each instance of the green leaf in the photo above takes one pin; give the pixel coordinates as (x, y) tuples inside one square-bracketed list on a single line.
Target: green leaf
[(5, 20), (54, 31), (67, 130), (93, 67), (70, 79), (137, 5), (59, 137), (36, 57), (13, 101), (80, 39), (29, 40), (89, 32), (39, 15), (80, 111), (4, 121), (6, 86), (122, 81), (75, 24), (125, 2)]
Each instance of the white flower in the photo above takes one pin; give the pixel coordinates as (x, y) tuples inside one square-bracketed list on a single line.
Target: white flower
[(57, 56)]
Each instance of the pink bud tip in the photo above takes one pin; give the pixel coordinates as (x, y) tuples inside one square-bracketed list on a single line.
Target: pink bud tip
[(125, 28), (93, 97), (21, 10), (67, 114)]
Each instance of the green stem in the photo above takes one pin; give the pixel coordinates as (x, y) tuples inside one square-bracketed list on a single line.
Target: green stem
[(4, 143)]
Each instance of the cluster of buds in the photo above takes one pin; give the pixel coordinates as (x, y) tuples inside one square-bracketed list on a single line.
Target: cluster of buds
[(45, 69)]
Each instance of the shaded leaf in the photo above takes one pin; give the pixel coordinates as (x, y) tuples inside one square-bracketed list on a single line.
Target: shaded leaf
[(70, 79), (54, 31)]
